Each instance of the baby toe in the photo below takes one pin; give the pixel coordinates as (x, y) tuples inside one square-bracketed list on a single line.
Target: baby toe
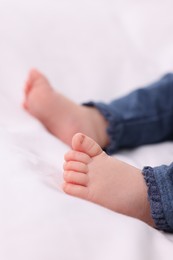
[(76, 190)]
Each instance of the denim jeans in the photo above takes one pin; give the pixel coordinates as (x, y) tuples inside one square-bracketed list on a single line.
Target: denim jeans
[(145, 116)]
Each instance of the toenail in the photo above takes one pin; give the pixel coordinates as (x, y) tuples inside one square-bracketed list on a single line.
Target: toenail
[(82, 139)]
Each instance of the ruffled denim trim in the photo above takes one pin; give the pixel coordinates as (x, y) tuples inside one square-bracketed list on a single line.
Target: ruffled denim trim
[(155, 200), (114, 130)]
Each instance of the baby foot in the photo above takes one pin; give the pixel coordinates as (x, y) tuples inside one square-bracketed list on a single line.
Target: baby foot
[(91, 174), (59, 115)]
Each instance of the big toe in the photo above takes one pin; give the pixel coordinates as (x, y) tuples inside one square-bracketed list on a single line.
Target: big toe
[(85, 144), (33, 76)]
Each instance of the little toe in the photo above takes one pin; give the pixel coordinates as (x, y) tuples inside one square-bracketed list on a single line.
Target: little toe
[(76, 178), (75, 166), (85, 144), (76, 190), (77, 156)]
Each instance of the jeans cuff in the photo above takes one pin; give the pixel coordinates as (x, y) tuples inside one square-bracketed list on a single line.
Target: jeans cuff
[(115, 127), (155, 200)]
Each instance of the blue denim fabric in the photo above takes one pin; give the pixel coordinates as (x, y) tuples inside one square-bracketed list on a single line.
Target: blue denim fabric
[(145, 116), (160, 193)]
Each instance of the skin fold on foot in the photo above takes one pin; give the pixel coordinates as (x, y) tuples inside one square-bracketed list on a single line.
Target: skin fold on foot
[(90, 174), (61, 116)]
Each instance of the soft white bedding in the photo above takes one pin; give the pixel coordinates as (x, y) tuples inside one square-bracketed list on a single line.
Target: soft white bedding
[(89, 50)]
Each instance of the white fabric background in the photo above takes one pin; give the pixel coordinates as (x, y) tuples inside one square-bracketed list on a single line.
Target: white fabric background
[(89, 50)]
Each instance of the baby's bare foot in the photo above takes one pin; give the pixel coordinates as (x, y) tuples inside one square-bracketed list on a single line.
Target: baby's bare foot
[(91, 174), (59, 115)]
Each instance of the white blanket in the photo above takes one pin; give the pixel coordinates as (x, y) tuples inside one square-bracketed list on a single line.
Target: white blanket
[(89, 50)]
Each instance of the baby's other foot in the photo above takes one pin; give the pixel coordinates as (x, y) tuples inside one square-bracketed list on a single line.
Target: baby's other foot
[(61, 116)]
